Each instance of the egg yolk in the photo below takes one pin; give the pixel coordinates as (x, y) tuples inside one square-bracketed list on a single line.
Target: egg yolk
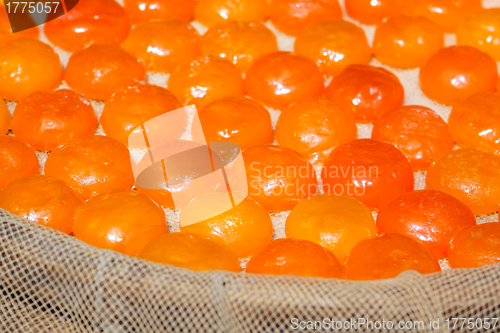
[(41, 199), (28, 65), (432, 217), (420, 133), (366, 91), (92, 165), (89, 22), (123, 221), (48, 119), (210, 12), (295, 257), (17, 159), (373, 12), (4, 118), (456, 72), (336, 222), (314, 127), (371, 171), (278, 79), (161, 46), (100, 70), (482, 30), (140, 11)]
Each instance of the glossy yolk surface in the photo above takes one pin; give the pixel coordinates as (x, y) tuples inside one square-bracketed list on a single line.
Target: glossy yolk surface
[(371, 171), (239, 42), (292, 16), (6, 34), (47, 119), (190, 251), (17, 160), (482, 30), (432, 217), (335, 222), (475, 123), (133, 106), (387, 256), (471, 176), (314, 127), (367, 91), (420, 133), (295, 257), (447, 14), (281, 78), (405, 41), (278, 177), (43, 200), (373, 12), (334, 45), (236, 119), (92, 165), (244, 229), (123, 221), (89, 22), (204, 80), (140, 11), (100, 70), (210, 12), (4, 118), (456, 72), (163, 45), (476, 246), (27, 65), (162, 189)]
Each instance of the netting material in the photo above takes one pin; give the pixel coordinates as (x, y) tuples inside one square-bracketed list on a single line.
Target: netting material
[(53, 282)]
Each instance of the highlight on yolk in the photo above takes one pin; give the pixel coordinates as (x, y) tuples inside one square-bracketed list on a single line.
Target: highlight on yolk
[(314, 127), (192, 251), (41, 199), (161, 46), (470, 175), (432, 217), (297, 257), (4, 118), (239, 42), (456, 72), (475, 123), (98, 71), (278, 177), (6, 34), (332, 55), (48, 119), (476, 246), (366, 91), (91, 165), (17, 159), (388, 255), (140, 11), (123, 221), (373, 12), (405, 41), (236, 119), (204, 80), (281, 78), (89, 22), (420, 133), (481, 29), (28, 65), (371, 171), (336, 222), (448, 14), (245, 228), (292, 16), (131, 107), (210, 12)]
